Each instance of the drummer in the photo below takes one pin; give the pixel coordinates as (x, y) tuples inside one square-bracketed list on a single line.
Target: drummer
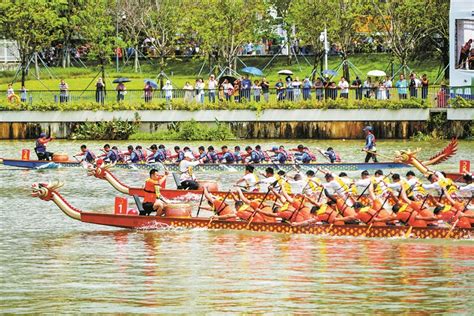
[(40, 148), (153, 201)]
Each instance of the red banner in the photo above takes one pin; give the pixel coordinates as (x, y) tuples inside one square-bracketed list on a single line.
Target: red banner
[(121, 205), (464, 166)]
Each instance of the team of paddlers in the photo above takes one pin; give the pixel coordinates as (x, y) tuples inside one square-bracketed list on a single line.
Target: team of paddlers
[(306, 199)]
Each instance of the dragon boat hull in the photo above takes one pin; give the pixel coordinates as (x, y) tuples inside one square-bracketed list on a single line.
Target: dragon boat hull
[(40, 164), (153, 222)]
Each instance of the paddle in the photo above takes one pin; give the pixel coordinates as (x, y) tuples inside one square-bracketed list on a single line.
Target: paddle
[(295, 212), (456, 222), (375, 214), (255, 211), (377, 154), (367, 187), (220, 208), (407, 234), (200, 203)]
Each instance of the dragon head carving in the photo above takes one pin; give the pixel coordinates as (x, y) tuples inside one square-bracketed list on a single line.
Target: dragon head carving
[(45, 191), (406, 156), (100, 170)]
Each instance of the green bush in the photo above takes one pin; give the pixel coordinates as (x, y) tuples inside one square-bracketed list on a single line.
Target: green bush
[(190, 130), (115, 129), (224, 105), (460, 102)]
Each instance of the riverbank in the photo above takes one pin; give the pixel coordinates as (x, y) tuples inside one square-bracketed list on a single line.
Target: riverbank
[(271, 123)]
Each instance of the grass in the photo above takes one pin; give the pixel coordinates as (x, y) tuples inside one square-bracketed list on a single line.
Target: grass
[(184, 70)]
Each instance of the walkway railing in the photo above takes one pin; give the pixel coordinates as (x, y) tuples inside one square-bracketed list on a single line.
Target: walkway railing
[(435, 95)]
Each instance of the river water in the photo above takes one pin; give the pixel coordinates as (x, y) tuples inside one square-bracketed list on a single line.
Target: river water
[(53, 264)]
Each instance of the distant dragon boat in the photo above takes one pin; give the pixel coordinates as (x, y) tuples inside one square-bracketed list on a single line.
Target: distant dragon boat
[(443, 155), (48, 192)]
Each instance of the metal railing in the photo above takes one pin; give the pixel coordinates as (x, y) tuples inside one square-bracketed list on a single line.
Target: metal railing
[(437, 96)]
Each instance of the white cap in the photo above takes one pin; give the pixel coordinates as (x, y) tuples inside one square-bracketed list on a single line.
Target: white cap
[(189, 155)]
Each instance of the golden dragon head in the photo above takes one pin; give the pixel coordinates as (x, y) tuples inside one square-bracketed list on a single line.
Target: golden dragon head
[(45, 191), (100, 170), (406, 156)]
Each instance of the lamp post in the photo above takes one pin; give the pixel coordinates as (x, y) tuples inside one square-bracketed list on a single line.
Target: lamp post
[(123, 16)]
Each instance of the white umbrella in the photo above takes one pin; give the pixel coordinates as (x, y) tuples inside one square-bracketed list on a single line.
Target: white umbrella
[(285, 72), (376, 73)]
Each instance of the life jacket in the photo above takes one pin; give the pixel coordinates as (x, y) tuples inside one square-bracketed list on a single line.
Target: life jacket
[(448, 185), (212, 156), (220, 208), (326, 214), (312, 186), (256, 185), (447, 213), (282, 183), (120, 155), (229, 157), (112, 155), (89, 156), (407, 215), (39, 147), (152, 191), (377, 184), (344, 187), (245, 212), (180, 156), (159, 156), (311, 155), (237, 156), (141, 154), (366, 214)]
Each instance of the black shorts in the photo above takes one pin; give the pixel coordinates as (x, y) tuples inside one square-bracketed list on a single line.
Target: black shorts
[(147, 208)]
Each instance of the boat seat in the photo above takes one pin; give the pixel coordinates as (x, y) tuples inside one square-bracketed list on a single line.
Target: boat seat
[(138, 203)]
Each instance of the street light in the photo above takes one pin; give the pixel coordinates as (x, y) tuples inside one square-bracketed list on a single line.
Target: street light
[(123, 16)]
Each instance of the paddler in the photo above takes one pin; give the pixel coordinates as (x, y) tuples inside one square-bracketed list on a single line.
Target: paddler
[(152, 201), (313, 184), (291, 209), (86, 154), (110, 155), (330, 154), (220, 208), (226, 156), (187, 178), (156, 155), (279, 154), (261, 153), (469, 187), (212, 155), (237, 154), (40, 147), (302, 155), (179, 154), (369, 144), (246, 208), (250, 179), (268, 178), (252, 155), (337, 186)]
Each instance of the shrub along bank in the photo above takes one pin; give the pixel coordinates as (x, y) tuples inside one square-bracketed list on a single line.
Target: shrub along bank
[(251, 105)]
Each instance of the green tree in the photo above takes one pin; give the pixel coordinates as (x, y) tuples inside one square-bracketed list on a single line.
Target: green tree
[(404, 25), (33, 25), (222, 27)]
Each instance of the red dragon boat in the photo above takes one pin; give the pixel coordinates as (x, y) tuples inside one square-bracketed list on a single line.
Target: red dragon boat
[(49, 193)]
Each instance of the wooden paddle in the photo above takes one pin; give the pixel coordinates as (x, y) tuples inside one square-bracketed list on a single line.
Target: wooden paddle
[(220, 209), (456, 222), (255, 211), (375, 214), (200, 203)]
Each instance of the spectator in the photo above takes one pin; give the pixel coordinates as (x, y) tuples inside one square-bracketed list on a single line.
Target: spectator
[(280, 90), (211, 85), (357, 85), (402, 85), (200, 90), (382, 90), (296, 89), (344, 86), (168, 89), (121, 91), (246, 86), (256, 88), (188, 92), (100, 91), (319, 87), (148, 90), (307, 84), (63, 91), (265, 89), (471, 59), (23, 94), (442, 96), (332, 90), (368, 87), (464, 54), (289, 89), (236, 90), (10, 91), (228, 89), (413, 86), (388, 85), (424, 86)]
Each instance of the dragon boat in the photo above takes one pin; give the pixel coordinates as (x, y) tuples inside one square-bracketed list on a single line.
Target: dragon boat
[(48, 192), (103, 172), (443, 155)]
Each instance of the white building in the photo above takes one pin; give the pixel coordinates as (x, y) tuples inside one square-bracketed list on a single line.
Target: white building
[(8, 52), (461, 30)]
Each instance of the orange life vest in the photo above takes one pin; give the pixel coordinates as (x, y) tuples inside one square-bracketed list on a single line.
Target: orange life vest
[(152, 191)]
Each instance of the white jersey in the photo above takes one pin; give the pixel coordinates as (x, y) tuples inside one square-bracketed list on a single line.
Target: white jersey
[(297, 186), (186, 169), (266, 182), (251, 182)]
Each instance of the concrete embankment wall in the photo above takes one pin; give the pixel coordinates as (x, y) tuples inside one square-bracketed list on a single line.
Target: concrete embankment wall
[(324, 124)]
